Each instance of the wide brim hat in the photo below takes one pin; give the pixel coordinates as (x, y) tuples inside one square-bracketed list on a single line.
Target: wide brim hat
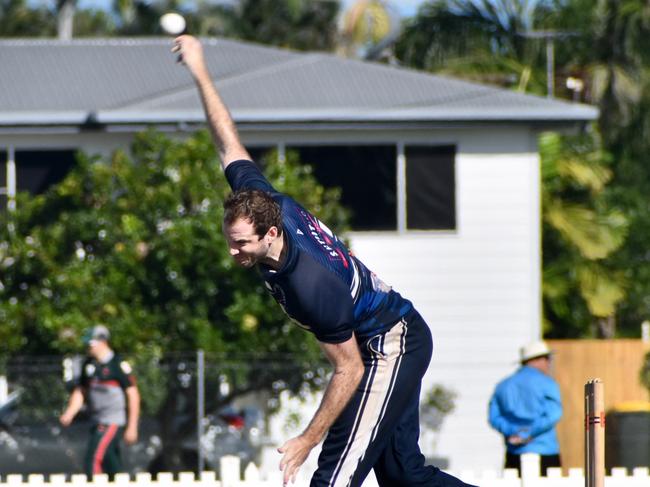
[(534, 350)]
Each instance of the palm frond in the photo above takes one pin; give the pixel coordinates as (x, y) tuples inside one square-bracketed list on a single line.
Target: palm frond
[(584, 174), (556, 282), (601, 289), (595, 235)]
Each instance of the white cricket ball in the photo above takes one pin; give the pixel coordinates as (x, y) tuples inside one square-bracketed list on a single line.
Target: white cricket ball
[(172, 23)]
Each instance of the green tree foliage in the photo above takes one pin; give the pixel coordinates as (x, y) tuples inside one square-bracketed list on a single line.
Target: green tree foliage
[(609, 51), (595, 271), (295, 24), (581, 285), (644, 373), (369, 28), (18, 19), (612, 55), (630, 188), (477, 39), (625, 119), (136, 243)]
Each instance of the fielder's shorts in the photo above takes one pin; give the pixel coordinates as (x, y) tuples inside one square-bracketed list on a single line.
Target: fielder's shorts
[(379, 428)]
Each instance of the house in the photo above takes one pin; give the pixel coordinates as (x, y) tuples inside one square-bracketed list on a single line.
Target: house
[(442, 176)]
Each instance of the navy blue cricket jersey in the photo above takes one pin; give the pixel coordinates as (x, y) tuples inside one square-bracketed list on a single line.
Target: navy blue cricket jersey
[(321, 285)]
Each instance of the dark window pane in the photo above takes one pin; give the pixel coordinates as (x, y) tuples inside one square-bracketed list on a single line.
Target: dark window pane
[(367, 177), (3, 169), (3, 180), (37, 170), (430, 187), (259, 153)]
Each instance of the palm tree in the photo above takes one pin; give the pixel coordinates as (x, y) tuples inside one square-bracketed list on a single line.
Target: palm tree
[(615, 56), (369, 29), (580, 285), (296, 24), (610, 53), (477, 39), (485, 40), (18, 19)]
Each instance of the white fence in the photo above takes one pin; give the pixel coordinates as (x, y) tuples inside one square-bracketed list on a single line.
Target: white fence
[(231, 476)]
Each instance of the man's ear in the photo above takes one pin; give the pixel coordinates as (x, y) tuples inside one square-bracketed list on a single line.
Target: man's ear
[(273, 232)]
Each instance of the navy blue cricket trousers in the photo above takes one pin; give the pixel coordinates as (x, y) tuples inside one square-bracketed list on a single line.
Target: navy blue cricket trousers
[(379, 428)]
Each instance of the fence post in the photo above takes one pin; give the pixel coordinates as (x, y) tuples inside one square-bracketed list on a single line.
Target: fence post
[(200, 408), (530, 469), (251, 473), (594, 433), (4, 389), (230, 466)]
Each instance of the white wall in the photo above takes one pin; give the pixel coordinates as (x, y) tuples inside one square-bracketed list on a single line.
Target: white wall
[(478, 288)]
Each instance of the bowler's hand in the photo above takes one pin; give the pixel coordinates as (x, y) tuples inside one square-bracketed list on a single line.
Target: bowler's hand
[(296, 450), (190, 53), (130, 435)]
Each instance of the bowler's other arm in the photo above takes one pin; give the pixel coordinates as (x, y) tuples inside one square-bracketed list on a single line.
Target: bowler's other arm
[(348, 371)]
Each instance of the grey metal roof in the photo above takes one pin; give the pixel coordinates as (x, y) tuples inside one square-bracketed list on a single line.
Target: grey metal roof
[(119, 80)]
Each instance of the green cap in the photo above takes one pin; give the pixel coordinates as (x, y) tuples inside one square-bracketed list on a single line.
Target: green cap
[(97, 332)]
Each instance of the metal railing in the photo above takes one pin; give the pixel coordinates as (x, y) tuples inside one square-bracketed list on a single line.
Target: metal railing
[(234, 398)]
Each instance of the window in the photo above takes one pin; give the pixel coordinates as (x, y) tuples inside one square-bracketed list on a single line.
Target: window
[(258, 153), (430, 187), (367, 177), (3, 180), (37, 170)]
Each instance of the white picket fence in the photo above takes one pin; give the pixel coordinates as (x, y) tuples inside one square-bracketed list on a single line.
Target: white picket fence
[(231, 476)]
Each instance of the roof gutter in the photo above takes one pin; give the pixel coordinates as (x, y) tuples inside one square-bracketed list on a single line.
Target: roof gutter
[(122, 120)]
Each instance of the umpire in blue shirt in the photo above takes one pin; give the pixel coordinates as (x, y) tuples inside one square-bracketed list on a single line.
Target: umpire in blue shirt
[(525, 408)]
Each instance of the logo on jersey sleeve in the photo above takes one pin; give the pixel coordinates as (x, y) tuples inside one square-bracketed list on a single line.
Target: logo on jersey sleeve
[(126, 367), (90, 370), (379, 285), (324, 237)]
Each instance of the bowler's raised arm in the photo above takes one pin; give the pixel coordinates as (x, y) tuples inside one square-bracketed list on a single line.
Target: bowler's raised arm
[(222, 126)]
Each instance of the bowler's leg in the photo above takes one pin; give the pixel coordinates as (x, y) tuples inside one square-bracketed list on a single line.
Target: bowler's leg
[(349, 450), (402, 464)]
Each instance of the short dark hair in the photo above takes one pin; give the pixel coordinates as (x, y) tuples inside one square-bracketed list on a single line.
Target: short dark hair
[(256, 206)]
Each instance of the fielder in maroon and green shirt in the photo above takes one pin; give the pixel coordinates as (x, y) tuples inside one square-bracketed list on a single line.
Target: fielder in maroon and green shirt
[(107, 386)]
